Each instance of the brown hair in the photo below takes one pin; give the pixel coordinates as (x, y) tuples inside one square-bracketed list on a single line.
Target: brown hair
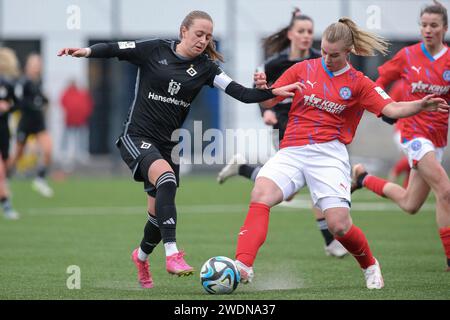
[(361, 43), (9, 65), (436, 8), (189, 20), (279, 40)]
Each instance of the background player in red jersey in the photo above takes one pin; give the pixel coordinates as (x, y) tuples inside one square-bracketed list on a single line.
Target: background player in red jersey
[(401, 167), (287, 47), (322, 120), (424, 68)]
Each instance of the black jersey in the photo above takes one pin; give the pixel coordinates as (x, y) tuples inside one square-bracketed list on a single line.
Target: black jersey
[(31, 99), (166, 85), (6, 94), (274, 67)]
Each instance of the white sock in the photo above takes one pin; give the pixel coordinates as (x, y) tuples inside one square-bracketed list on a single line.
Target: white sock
[(142, 255), (171, 248)]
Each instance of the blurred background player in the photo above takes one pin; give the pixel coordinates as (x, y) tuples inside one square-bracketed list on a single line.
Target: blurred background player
[(32, 104), (322, 121), (423, 69), (286, 47), (77, 104), (9, 72), (170, 76), (401, 166)]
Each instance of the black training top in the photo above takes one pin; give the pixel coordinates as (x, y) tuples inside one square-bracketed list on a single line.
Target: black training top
[(6, 94), (31, 99), (166, 85)]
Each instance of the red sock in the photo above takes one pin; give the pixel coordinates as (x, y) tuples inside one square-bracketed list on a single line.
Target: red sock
[(444, 233), (401, 166), (356, 243), (375, 184), (253, 233)]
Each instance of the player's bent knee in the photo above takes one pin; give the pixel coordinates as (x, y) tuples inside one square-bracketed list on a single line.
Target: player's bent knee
[(339, 228), (263, 195)]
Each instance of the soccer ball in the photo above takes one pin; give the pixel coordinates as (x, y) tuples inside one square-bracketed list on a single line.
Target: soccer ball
[(219, 275)]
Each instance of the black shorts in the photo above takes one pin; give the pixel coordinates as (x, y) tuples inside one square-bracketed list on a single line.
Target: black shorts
[(134, 149), (29, 125), (4, 141)]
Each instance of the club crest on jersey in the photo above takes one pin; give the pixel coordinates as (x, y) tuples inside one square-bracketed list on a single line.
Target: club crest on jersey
[(191, 71), (145, 145), (416, 145), (174, 87), (446, 75), (345, 93)]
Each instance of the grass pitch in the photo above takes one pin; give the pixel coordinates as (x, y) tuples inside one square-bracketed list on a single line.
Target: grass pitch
[(96, 223)]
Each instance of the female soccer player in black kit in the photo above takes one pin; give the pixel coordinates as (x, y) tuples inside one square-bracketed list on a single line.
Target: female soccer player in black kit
[(170, 75), (287, 47), (32, 103), (9, 71)]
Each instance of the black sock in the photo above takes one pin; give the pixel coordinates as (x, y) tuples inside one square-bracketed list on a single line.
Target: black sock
[(248, 171), (42, 172), (359, 181), (323, 227), (152, 235), (166, 213), (6, 204)]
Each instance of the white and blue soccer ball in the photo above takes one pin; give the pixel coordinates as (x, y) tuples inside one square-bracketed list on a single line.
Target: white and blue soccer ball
[(219, 275)]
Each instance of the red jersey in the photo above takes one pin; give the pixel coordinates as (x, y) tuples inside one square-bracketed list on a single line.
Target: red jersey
[(420, 74), (332, 104), (396, 93)]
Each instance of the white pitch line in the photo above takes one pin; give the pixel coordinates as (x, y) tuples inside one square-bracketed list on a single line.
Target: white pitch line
[(209, 208)]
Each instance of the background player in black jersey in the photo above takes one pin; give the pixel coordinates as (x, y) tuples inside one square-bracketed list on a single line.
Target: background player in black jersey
[(32, 103), (287, 47), (9, 71), (170, 75)]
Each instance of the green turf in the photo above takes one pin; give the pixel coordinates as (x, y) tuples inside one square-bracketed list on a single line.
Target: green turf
[(95, 224)]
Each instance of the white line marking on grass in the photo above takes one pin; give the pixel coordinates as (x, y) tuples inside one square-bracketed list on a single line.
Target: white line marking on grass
[(210, 208), (216, 208)]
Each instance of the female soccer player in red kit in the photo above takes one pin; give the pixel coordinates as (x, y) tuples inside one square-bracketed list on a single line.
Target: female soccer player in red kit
[(322, 120), (423, 68)]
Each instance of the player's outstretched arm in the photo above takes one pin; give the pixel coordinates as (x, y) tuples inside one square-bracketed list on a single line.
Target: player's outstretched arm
[(74, 52), (403, 109)]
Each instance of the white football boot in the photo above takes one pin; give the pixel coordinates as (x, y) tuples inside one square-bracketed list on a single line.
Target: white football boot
[(246, 272), (335, 249), (41, 186), (374, 279), (232, 168), (11, 214)]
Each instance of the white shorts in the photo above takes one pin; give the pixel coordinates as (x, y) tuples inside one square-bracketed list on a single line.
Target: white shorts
[(324, 167), (417, 148)]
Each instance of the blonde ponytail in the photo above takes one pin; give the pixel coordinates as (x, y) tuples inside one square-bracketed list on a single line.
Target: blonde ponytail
[(361, 43)]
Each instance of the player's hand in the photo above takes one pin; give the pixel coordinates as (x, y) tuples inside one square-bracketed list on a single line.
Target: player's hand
[(270, 118), (433, 103), (74, 52), (4, 106), (289, 90), (260, 80)]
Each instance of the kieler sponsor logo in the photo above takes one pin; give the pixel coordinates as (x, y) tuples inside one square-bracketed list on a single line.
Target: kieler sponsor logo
[(429, 88), (326, 105)]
